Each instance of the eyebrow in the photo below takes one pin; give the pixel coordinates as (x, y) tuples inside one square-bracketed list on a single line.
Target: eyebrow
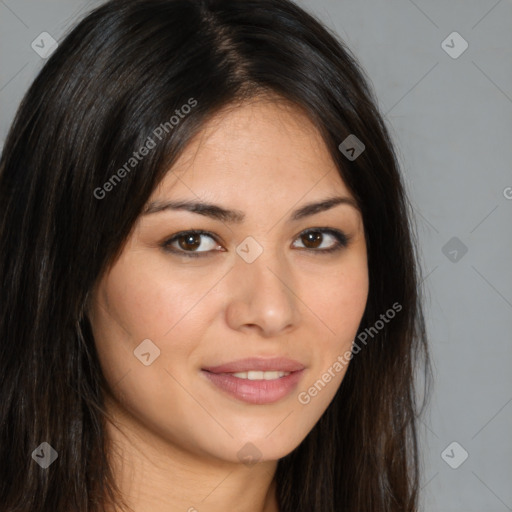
[(236, 216)]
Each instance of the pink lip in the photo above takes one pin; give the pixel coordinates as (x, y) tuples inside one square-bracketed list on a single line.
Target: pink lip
[(282, 364), (257, 392)]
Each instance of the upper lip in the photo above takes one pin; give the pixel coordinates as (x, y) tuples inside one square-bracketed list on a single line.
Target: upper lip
[(257, 363)]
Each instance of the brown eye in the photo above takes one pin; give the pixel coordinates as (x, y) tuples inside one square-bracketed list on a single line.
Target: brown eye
[(201, 243), (323, 240), (312, 240), (191, 243)]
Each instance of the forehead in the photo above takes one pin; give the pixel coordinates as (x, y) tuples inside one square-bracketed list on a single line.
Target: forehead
[(264, 147)]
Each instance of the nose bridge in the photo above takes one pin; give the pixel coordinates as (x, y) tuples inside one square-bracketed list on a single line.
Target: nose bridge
[(265, 296)]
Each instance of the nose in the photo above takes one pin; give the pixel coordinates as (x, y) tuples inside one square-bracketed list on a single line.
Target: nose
[(263, 297)]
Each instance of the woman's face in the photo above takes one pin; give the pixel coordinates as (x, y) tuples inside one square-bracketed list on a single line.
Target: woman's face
[(258, 285)]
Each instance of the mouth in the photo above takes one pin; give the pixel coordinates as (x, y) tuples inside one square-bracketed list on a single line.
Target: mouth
[(256, 381)]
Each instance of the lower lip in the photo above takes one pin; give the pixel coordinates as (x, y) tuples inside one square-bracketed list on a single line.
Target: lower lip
[(256, 391)]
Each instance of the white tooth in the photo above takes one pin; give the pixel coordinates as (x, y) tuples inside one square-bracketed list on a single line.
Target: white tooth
[(259, 375)]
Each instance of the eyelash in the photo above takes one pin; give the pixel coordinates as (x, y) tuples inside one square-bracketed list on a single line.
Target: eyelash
[(341, 238)]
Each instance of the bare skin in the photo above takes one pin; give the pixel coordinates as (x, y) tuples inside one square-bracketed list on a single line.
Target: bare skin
[(178, 437)]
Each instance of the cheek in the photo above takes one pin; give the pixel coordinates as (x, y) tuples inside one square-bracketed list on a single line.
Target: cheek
[(149, 300), (141, 299), (139, 302), (339, 300), (339, 303)]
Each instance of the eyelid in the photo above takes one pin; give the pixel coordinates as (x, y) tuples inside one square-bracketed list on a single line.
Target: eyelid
[(342, 241)]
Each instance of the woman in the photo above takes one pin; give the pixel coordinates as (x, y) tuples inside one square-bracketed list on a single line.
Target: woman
[(210, 294)]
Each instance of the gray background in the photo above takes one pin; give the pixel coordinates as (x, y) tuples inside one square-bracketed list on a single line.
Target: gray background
[(451, 120)]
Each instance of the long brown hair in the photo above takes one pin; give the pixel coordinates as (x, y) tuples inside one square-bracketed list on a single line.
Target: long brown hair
[(119, 74)]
